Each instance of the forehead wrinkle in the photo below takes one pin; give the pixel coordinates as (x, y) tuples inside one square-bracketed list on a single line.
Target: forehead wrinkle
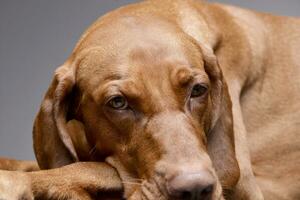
[(182, 76), (96, 64), (157, 89), (131, 89), (155, 73)]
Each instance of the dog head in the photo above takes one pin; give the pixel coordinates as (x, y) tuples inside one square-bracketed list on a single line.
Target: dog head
[(143, 94)]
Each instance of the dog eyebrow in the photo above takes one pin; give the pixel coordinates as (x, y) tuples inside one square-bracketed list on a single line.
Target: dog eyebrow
[(113, 76), (183, 76)]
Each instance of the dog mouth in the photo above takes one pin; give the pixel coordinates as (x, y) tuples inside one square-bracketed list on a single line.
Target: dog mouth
[(157, 187), (153, 190), (161, 188), (150, 190)]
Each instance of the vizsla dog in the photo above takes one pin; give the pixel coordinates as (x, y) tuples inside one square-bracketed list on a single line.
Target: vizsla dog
[(172, 99)]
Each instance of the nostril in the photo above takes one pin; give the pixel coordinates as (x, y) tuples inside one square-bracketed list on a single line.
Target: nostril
[(181, 194), (186, 195), (207, 191), (191, 186)]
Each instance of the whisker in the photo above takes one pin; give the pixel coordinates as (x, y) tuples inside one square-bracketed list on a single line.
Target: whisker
[(146, 193), (159, 187), (137, 179), (132, 183), (92, 151)]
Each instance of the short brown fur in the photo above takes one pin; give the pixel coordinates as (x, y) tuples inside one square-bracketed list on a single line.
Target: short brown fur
[(244, 131)]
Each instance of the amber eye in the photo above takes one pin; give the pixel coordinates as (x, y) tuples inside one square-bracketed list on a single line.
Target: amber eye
[(118, 102), (198, 90)]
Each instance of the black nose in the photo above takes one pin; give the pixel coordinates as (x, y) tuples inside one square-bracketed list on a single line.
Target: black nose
[(198, 186)]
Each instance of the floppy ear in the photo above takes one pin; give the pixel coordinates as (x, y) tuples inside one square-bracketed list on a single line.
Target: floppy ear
[(53, 145), (221, 146)]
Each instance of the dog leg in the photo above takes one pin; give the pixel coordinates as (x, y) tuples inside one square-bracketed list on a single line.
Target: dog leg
[(76, 181), (18, 165), (15, 186), (79, 181)]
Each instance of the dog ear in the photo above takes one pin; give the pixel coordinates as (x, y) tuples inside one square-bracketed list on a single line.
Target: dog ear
[(53, 145), (221, 147), (219, 127)]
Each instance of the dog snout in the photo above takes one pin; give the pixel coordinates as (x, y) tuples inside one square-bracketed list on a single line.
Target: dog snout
[(188, 185)]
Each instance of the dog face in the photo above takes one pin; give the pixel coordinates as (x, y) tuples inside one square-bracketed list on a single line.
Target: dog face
[(148, 97), (148, 105)]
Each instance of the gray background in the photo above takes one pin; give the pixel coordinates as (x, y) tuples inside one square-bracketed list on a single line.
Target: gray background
[(36, 36)]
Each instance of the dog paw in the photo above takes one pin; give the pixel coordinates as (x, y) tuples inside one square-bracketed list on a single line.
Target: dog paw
[(15, 186)]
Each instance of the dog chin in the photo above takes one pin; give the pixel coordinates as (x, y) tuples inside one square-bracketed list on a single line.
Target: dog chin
[(138, 195), (151, 190)]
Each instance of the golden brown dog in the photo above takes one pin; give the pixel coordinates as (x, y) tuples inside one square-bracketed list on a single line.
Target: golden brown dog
[(184, 99)]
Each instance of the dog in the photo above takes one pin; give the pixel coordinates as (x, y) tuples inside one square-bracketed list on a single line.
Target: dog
[(181, 100)]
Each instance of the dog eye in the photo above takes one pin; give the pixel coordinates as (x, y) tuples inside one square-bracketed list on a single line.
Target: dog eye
[(118, 102), (198, 90)]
